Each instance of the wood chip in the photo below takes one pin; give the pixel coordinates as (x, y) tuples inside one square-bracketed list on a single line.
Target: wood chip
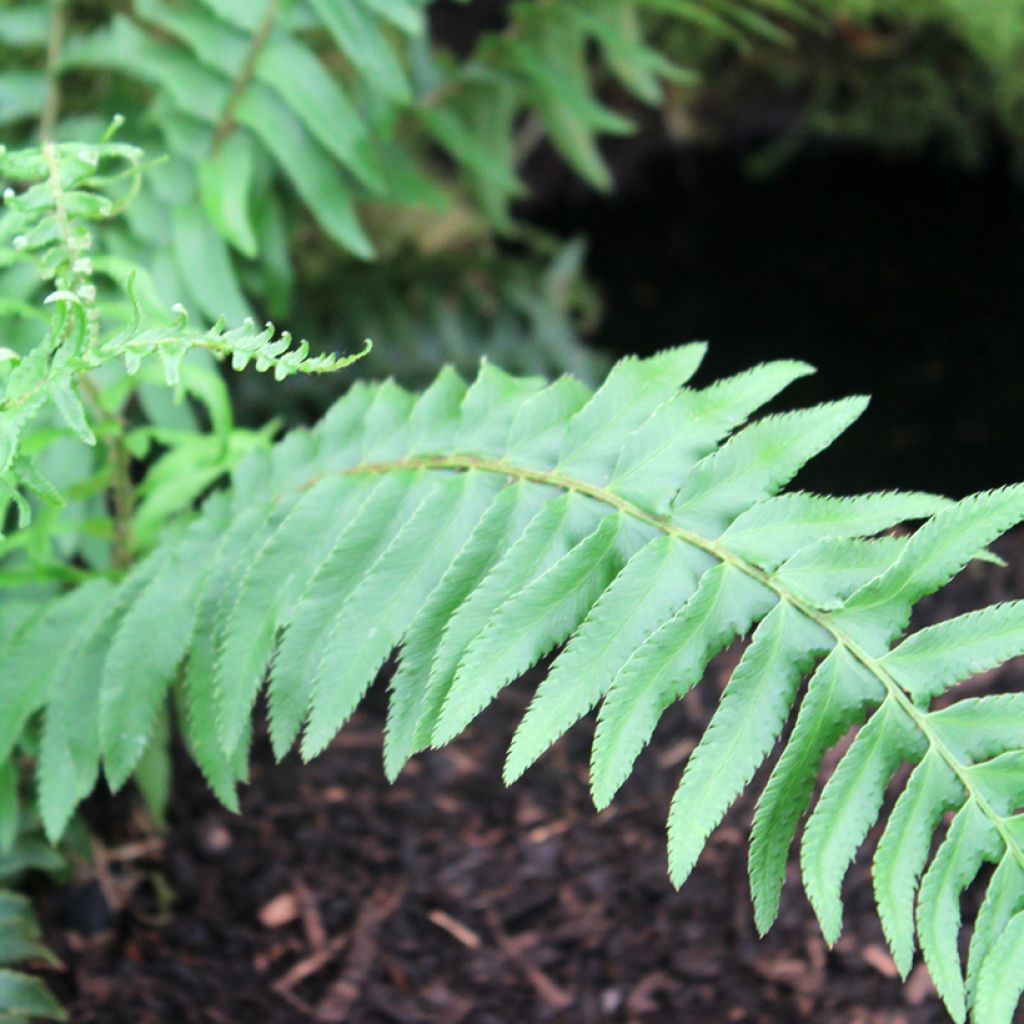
[(346, 990), (309, 966), (879, 958), (676, 754), (919, 986), (312, 923), (549, 991), (281, 910), (456, 929), (542, 833)]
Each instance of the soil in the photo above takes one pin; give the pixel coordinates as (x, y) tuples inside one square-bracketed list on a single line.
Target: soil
[(447, 899)]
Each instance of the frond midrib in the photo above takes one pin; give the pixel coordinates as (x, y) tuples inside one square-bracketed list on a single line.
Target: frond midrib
[(552, 478)]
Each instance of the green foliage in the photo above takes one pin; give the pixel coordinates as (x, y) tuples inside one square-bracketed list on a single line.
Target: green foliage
[(387, 137), (22, 849), (53, 198), (87, 339), (897, 75), (635, 531)]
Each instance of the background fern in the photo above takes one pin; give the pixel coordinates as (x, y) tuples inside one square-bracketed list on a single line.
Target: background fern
[(392, 143), (643, 528)]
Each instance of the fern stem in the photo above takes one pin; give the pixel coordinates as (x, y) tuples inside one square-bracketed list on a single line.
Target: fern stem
[(54, 44), (715, 549), (122, 490), (226, 124)]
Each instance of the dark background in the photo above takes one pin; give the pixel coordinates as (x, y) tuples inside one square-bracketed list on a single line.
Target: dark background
[(901, 278)]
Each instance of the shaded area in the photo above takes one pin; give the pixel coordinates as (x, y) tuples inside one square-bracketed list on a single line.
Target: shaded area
[(900, 279)]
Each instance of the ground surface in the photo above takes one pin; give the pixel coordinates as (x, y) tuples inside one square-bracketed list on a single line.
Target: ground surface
[(447, 899)]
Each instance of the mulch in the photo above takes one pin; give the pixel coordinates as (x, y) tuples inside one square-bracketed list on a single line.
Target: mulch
[(447, 899)]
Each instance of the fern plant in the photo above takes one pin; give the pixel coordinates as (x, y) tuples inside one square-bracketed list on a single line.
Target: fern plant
[(353, 106), (86, 482), (637, 530)]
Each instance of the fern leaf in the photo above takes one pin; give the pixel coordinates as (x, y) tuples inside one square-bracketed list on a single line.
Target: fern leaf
[(339, 436), (561, 523), (971, 840), (359, 37), (199, 715), (686, 427), (748, 721), (388, 504), (932, 659), (69, 748), (385, 427), (774, 530), (27, 663), (288, 68), (849, 806), (239, 539), (405, 14), (825, 573), (212, 282), (437, 415), (492, 405), (225, 180), (651, 587), (372, 620), (1002, 976), (150, 643), (977, 728), (756, 462), (1004, 898), (271, 586), (632, 391), (20, 934), (538, 430), (152, 775), (535, 620), (903, 850), (414, 706), (839, 694), (1001, 780), (880, 610), (23, 997), (476, 529), (665, 666), (198, 696)]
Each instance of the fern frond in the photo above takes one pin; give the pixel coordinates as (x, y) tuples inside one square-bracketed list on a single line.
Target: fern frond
[(635, 532), (23, 997)]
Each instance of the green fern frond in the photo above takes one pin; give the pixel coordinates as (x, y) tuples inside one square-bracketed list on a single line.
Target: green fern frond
[(634, 532), (23, 996), (54, 195)]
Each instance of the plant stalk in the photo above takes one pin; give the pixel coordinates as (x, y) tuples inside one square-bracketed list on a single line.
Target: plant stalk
[(226, 124)]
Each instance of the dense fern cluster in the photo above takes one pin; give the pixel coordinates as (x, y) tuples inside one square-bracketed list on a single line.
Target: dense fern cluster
[(351, 104), (637, 531), (53, 198)]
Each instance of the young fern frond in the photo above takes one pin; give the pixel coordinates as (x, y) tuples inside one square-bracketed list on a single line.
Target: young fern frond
[(53, 196), (637, 531)]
